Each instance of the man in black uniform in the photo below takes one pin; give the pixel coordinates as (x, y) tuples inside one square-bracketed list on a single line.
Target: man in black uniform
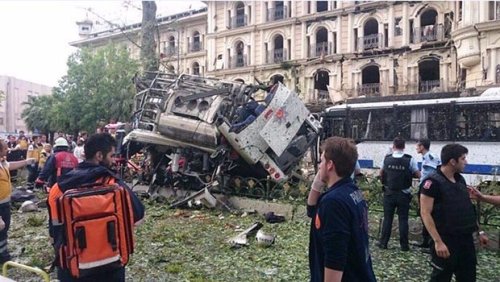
[(450, 218), (396, 174)]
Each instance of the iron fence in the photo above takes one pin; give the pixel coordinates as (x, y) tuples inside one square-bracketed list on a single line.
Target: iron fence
[(275, 14), (321, 49), (428, 33), (239, 21)]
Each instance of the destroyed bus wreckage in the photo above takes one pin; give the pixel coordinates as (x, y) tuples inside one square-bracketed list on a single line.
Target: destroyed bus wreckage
[(199, 130)]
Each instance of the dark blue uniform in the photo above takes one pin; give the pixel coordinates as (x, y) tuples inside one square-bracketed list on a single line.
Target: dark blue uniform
[(455, 219), (339, 234)]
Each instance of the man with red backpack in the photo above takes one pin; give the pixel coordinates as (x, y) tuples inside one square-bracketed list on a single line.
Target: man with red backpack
[(92, 213), (59, 163)]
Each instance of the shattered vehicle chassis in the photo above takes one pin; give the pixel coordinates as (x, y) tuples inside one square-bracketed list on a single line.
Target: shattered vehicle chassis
[(195, 130)]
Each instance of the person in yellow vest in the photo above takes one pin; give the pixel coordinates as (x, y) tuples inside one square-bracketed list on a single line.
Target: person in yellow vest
[(44, 155), (5, 192), (34, 151)]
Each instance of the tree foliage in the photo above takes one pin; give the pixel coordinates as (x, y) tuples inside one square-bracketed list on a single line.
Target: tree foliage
[(97, 87)]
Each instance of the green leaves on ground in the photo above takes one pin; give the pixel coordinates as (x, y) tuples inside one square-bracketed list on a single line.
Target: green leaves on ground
[(191, 245)]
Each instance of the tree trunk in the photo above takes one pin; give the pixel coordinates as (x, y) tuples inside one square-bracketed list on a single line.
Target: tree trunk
[(149, 59)]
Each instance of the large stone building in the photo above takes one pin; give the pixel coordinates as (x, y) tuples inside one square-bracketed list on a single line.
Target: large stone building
[(15, 93), (477, 42), (331, 49)]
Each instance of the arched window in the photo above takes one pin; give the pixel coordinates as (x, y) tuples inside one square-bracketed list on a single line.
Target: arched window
[(370, 81), (239, 60), (196, 44), (321, 82), (322, 46), (428, 73), (277, 78), (240, 19), (371, 38), (170, 49), (278, 52), (429, 30), (196, 68)]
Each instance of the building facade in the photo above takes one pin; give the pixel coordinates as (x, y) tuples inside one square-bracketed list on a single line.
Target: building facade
[(477, 41), (15, 93), (332, 50)]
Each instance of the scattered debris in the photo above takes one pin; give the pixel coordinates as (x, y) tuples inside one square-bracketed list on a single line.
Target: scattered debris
[(265, 239), (28, 206), (274, 218), (203, 196), (22, 194), (242, 238)]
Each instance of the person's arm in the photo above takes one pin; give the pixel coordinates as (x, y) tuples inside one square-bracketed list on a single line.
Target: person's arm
[(333, 275), (477, 195), (426, 206), (335, 237), (317, 187), (414, 168), (21, 164), (494, 200)]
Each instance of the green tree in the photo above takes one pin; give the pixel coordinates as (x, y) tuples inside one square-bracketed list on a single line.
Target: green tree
[(36, 112), (97, 87)]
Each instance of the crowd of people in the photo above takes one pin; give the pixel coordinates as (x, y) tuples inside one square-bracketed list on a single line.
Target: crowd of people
[(339, 249), (68, 165)]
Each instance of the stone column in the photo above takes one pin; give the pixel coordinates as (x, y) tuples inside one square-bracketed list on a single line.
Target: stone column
[(493, 63), (350, 34), (263, 48), (291, 52), (339, 35), (390, 34), (254, 12), (405, 25), (304, 41)]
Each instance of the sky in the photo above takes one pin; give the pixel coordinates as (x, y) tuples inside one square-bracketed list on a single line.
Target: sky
[(35, 35)]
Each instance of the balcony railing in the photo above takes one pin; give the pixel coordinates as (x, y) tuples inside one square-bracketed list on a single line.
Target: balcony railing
[(277, 56), (318, 96), (239, 21), (428, 33), (276, 14), (170, 50), (321, 49), (371, 41), (427, 86), (194, 46), (238, 61), (369, 90)]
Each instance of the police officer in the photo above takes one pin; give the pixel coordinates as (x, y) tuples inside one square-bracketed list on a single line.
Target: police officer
[(396, 175), (430, 162), (450, 218)]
